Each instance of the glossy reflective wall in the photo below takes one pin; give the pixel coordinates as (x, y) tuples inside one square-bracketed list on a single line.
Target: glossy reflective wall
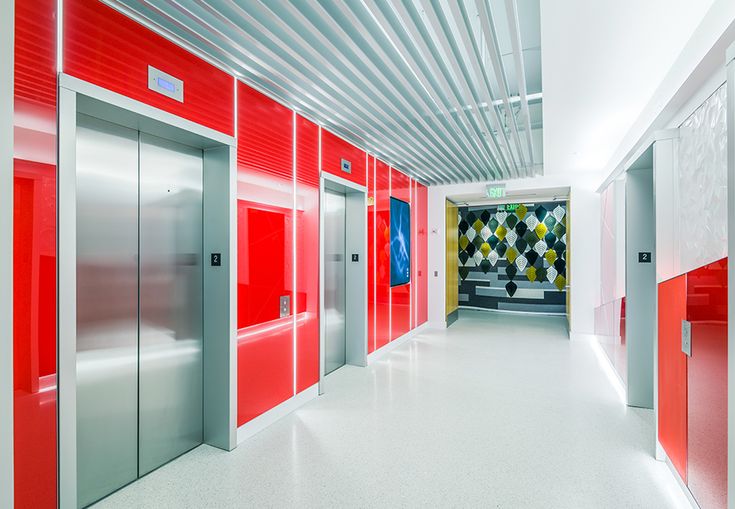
[(265, 198), (34, 254)]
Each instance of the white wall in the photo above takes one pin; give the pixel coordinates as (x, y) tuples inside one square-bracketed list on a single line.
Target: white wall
[(584, 243), (7, 19)]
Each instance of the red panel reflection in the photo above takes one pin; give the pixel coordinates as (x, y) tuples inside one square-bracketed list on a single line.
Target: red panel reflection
[(707, 391), (34, 251), (382, 254), (307, 261), (107, 48), (672, 372), (264, 253)]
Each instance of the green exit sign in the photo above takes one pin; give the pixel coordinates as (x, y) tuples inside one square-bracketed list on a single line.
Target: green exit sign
[(495, 191), (508, 207)]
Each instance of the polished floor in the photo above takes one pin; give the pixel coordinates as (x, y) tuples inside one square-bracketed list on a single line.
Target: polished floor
[(496, 411)]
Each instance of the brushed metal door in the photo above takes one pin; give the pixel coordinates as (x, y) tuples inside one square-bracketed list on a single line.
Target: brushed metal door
[(171, 278), (334, 280), (107, 308)]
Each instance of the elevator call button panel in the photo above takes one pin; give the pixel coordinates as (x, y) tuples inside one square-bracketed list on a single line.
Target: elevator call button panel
[(686, 337), (165, 84)]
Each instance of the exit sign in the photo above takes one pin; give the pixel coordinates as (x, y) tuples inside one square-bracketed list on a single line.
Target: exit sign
[(495, 191)]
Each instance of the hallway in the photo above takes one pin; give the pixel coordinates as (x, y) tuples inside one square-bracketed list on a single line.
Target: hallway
[(487, 413)]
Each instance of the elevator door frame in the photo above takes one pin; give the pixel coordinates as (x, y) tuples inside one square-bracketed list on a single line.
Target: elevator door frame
[(219, 285), (355, 272)]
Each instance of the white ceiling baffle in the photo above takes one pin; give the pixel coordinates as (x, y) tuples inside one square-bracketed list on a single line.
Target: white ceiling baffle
[(446, 90)]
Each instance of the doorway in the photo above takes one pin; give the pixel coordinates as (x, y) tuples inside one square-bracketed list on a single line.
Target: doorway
[(146, 293), (343, 275), (335, 301), (139, 304)]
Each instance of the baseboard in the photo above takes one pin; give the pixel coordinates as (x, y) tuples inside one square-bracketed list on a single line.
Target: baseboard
[(276, 413), (380, 352), (511, 311), (679, 480)]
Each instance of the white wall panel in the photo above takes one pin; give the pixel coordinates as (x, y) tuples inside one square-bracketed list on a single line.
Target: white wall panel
[(702, 184)]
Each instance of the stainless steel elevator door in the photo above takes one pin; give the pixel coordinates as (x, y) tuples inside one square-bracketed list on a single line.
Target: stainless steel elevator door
[(139, 304), (334, 280), (171, 417), (107, 308)]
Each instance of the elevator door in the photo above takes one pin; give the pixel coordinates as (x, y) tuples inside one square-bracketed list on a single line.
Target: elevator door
[(139, 304), (334, 280)]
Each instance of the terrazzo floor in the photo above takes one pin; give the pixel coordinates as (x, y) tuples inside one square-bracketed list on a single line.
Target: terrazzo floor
[(493, 412)]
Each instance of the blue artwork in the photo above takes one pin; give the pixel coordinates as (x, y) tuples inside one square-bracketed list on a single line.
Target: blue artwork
[(400, 242)]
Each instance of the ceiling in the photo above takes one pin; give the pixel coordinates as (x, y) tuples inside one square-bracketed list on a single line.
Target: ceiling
[(446, 90), (603, 62)]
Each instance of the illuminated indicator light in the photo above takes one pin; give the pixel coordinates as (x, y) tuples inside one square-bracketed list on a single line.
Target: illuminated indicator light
[(166, 85)]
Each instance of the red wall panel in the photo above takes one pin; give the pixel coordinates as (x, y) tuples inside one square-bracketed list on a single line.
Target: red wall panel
[(421, 257), (371, 253), (707, 385), (109, 49), (400, 185), (382, 254), (672, 372), (400, 310), (334, 149), (307, 262), (265, 253), (34, 249), (400, 188)]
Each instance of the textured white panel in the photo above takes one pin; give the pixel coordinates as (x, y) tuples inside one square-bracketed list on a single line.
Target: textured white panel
[(703, 184)]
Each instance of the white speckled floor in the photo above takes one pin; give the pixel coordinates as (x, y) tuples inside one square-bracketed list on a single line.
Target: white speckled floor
[(488, 413)]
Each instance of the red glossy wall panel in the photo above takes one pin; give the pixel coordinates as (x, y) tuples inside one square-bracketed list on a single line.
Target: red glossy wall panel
[(382, 254), (421, 257), (265, 253), (400, 185), (672, 372), (334, 150), (707, 385), (307, 261), (106, 48), (371, 253), (34, 249), (400, 310), (414, 252)]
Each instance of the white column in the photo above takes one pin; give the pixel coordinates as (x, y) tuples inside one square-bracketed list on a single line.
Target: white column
[(7, 39)]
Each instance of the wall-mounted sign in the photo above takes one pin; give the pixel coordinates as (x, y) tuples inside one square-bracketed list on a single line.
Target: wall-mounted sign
[(165, 84), (508, 207), (346, 166), (371, 201), (494, 191), (644, 257), (216, 260)]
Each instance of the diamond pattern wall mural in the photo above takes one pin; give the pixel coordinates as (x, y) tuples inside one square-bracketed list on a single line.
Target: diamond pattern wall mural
[(513, 257)]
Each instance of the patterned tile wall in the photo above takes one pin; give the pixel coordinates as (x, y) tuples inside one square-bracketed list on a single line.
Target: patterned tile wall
[(513, 258)]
